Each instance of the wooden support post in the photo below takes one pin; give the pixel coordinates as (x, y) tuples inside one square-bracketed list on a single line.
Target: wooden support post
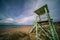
[(52, 28)]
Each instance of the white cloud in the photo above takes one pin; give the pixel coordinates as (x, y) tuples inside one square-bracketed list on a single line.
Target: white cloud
[(25, 20), (7, 20), (26, 17)]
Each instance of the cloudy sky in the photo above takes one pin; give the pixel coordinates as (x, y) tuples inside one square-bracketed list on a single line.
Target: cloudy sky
[(22, 11)]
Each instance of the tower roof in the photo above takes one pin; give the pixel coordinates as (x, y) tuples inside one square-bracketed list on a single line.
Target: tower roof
[(41, 10)]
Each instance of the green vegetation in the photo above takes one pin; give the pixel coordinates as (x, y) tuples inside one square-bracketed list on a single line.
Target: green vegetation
[(14, 36)]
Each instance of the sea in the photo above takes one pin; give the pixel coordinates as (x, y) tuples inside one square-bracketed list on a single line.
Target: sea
[(13, 26)]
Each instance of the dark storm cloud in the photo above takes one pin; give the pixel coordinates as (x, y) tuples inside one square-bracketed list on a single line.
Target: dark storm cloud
[(15, 11), (11, 8), (54, 7)]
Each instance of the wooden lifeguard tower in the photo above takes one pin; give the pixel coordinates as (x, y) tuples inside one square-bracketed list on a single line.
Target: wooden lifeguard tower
[(39, 29)]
